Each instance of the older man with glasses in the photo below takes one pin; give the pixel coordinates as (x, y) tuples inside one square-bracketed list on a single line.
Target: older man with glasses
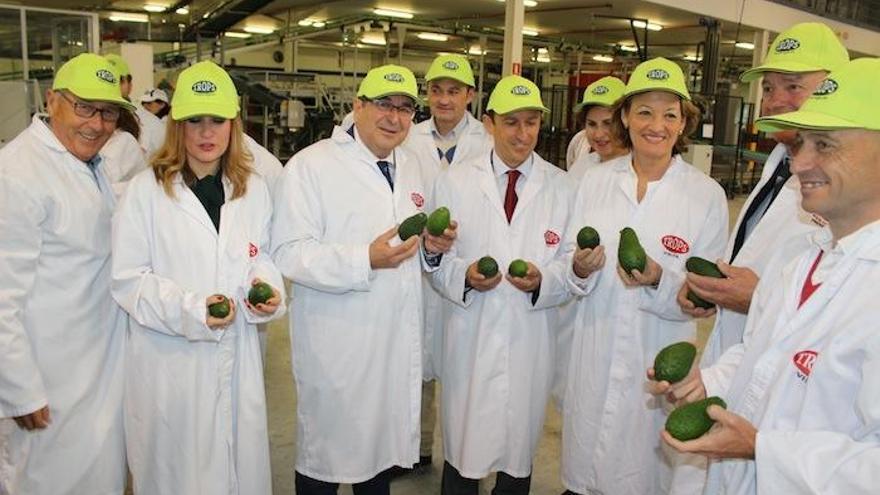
[(61, 334)]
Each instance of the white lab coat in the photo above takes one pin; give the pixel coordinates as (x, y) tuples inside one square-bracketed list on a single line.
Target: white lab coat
[(818, 419), (152, 131), (355, 332), (611, 423), (123, 158), (577, 169), (420, 144), (61, 335), (498, 347), (195, 409), (577, 147)]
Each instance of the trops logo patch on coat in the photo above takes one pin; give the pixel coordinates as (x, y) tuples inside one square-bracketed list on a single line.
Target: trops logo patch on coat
[(551, 238), (417, 199), (675, 244), (253, 250), (803, 362)]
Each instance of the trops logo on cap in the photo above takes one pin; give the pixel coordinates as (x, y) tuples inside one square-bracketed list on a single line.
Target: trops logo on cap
[(600, 90), (449, 64), (827, 87), (204, 87), (106, 75), (520, 90), (657, 75), (787, 45), (394, 77)]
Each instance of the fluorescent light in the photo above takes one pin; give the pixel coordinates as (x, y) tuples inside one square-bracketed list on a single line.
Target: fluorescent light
[(745, 45), (182, 11), (526, 3), (544, 59), (319, 24), (543, 50), (530, 32), (152, 7), (373, 38), (691, 58), (259, 29), (233, 34), (628, 48), (127, 17), (475, 50), (305, 22), (393, 13), (603, 58), (651, 25), (432, 37)]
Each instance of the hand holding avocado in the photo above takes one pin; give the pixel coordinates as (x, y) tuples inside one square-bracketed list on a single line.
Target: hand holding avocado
[(384, 255), (733, 437), (220, 311), (588, 260), (524, 275), (262, 298), (441, 243), (733, 292), (684, 391), (483, 274), (634, 266)]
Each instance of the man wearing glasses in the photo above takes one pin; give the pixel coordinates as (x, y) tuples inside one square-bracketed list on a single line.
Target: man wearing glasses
[(61, 334), (356, 321)]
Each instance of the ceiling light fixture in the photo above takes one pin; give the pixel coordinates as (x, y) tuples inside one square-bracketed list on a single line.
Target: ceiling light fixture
[(234, 34), (182, 11), (544, 59), (319, 24), (628, 48), (393, 13), (603, 58), (305, 22), (651, 25), (432, 37), (373, 39), (526, 3), (475, 50), (127, 17), (530, 32), (745, 45), (259, 29), (152, 7)]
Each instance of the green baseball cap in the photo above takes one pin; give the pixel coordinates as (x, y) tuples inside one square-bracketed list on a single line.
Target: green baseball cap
[(848, 99), (119, 63), (657, 74), (204, 89), (454, 67), (92, 78), (805, 47), (514, 93), (389, 80), (603, 92)]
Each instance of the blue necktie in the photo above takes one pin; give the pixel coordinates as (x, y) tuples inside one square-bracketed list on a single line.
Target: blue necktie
[(771, 189), (383, 166), (450, 153)]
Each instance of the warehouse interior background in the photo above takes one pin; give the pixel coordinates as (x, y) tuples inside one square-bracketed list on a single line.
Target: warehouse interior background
[(297, 64)]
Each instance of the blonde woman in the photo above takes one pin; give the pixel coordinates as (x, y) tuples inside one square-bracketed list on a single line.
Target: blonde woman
[(192, 232)]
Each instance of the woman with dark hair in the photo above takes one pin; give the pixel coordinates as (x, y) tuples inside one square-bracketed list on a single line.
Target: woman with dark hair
[(611, 424), (190, 241)]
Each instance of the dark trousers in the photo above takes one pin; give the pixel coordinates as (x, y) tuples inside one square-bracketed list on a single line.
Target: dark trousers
[(378, 485), (455, 484)]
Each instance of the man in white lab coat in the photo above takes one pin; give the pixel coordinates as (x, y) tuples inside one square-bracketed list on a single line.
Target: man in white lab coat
[(450, 137), (802, 389), (356, 321), (798, 60), (499, 333), (61, 334)]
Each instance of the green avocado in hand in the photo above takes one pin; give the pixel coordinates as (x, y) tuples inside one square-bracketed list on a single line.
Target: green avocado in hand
[(588, 237), (674, 362), (438, 221), (630, 253), (691, 421), (487, 266), (260, 293), (219, 309), (518, 268), (706, 268), (412, 226)]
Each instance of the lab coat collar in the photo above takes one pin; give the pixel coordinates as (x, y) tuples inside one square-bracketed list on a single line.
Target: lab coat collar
[(865, 242), (456, 132), (42, 131), (499, 168)]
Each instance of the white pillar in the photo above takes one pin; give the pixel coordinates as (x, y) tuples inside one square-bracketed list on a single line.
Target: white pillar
[(514, 16), (762, 42)]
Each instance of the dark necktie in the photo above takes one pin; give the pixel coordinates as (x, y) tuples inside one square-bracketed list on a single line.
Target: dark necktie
[(383, 166), (771, 189), (510, 198), (449, 154)]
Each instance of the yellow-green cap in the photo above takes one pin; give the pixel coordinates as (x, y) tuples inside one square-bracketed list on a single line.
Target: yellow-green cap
[(515, 93), (805, 47), (90, 77), (848, 99), (603, 92), (389, 80), (657, 74), (204, 89), (119, 63), (454, 67)]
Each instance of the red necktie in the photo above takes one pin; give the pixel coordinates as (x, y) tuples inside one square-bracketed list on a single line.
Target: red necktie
[(510, 198)]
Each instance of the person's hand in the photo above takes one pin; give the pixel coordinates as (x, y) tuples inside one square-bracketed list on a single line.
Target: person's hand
[(688, 307), (734, 292), (689, 389), (36, 420), (478, 281), (213, 322), (651, 276), (586, 261), (732, 437), (441, 243), (267, 308), (530, 282), (384, 255)]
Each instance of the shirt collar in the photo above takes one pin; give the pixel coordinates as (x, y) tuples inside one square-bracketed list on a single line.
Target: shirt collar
[(456, 131), (825, 240), (499, 168)]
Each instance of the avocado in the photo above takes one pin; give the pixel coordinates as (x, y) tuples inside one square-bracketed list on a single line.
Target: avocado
[(260, 293), (704, 267), (438, 221), (673, 362), (487, 266), (691, 421), (630, 253), (518, 268), (588, 238), (412, 226), (219, 309)]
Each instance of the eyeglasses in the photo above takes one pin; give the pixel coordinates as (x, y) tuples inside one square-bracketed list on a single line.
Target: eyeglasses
[(385, 106), (87, 110)]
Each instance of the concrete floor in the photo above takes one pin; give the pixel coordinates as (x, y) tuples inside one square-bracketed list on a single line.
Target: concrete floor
[(282, 424)]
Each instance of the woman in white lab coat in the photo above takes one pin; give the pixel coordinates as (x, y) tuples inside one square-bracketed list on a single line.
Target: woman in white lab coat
[(597, 105), (193, 228), (610, 425)]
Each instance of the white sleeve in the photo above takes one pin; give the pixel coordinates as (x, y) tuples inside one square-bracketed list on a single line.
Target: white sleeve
[(298, 247), (555, 289), (264, 268), (21, 384), (449, 278), (155, 302)]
